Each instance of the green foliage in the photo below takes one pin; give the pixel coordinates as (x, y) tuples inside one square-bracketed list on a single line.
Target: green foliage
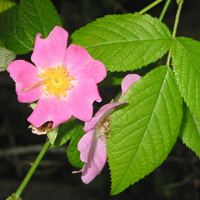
[(114, 78), (52, 135), (144, 132), (64, 133), (19, 25), (125, 42), (13, 197), (73, 153), (6, 4), (6, 57), (186, 64), (190, 131), (12, 33), (1, 43), (71, 130), (38, 17)]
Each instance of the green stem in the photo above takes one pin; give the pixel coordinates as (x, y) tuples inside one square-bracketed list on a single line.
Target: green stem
[(175, 28), (177, 19), (162, 14), (150, 6), (32, 169)]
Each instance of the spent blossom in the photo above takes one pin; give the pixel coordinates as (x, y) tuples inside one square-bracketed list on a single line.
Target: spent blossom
[(93, 144), (64, 80)]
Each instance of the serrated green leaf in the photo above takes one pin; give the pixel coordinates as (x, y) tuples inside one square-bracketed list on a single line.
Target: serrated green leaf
[(6, 57), (73, 153), (6, 4), (38, 17), (13, 197), (125, 42), (186, 64), (144, 132), (12, 33), (190, 131)]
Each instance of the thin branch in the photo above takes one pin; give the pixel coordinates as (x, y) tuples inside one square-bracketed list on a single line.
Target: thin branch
[(164, 9), (175, 29), (150, 6), (32, 169)]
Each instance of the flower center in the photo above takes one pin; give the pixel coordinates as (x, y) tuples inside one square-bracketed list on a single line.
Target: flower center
[(103, 129), (56, 81)]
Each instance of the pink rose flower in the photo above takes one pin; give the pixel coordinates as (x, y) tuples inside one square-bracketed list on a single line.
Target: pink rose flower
[(64, 80), (93, 144)]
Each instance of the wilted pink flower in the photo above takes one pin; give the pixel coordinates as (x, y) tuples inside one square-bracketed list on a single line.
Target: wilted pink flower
[(93, 144), (63, 80), (44, 129)]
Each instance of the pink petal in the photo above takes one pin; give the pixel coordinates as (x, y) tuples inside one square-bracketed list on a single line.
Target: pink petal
[(50, 109), (80, 64), (85, 145), (93, 153), (50, 52), (25, 75), (128, 81), (81, 98), (104, 111), (96, 161)]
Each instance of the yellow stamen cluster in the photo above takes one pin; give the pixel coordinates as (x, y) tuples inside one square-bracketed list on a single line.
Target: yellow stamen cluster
[(56, 80)]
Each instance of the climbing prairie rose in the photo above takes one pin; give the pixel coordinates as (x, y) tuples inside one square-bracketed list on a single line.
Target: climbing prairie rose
[(64, 80), (93, 144)]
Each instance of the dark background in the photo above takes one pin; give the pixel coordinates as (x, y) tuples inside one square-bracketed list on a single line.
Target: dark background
[(177, 178)]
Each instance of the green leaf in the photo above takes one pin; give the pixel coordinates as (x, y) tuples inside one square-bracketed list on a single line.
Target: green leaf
[(186, 64), (6, 57), (71, 130), (38, 17), (114, 78), (73, 153), (190, 131), (33, 105), (125, 42), (6, 4), (1, 43), (145, 130), (64, 133), (52, 135), (13, 197), (12, 33)]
